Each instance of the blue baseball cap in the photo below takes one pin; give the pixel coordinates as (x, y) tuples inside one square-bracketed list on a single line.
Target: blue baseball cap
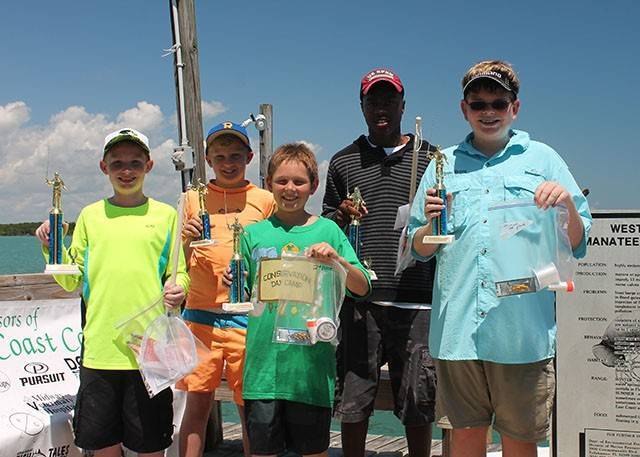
[(229, 128)]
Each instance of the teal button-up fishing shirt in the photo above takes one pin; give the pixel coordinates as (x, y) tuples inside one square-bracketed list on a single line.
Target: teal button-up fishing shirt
[(468, 320)]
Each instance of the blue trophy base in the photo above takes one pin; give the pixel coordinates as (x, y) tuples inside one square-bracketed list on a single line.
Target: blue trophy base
[(243, 307), (61, 269), (438, 239)]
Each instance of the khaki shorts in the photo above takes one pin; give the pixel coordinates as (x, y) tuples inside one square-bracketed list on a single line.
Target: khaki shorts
[(516, 398)]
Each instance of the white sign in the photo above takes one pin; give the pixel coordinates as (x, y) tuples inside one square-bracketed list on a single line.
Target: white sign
[(40, 344), (598, 357)]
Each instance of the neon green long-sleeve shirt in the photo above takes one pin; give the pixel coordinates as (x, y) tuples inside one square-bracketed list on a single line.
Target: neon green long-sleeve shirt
[(124, 256)]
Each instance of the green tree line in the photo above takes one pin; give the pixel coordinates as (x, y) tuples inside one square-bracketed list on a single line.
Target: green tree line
[(25, 228)]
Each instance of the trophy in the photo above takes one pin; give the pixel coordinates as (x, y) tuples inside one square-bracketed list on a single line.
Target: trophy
[(205, 235), (236, 293), (439, 223), (56, 234), (354, 224), (355, 230)]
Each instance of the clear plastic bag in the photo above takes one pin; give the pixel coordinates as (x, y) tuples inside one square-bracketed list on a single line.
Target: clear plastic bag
[(164, 347), (530, 248), (310, 295)]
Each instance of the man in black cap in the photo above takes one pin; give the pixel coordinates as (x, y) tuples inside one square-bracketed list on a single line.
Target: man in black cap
[(392, 327)]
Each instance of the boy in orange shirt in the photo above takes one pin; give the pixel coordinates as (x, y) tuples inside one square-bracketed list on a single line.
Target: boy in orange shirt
[(229, 196)]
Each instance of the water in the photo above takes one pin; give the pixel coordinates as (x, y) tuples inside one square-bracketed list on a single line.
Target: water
[(21, 254)]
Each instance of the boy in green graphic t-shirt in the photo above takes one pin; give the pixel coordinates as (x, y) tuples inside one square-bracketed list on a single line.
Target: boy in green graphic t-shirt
[(288, 389), (123, 246)]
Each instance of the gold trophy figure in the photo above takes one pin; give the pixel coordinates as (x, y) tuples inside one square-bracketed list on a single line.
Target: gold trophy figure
[(355, 230), (236, 293), (56, 232), (205, 234), (439, 223)]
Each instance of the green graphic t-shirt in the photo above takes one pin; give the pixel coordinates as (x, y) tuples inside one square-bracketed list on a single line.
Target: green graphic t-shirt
[(304, 374)]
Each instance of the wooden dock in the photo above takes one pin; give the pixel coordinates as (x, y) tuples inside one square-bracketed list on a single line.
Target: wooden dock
[(377, 445)]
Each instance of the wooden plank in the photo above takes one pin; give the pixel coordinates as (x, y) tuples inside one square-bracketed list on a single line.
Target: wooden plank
[(32, 287), (390, 444), (232, 431), (384, 397)]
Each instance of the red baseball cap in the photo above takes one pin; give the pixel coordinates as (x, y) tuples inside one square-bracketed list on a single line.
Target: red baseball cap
[(378, 75)]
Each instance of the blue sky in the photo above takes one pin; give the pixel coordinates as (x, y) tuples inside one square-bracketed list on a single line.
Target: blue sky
[(72, 71)]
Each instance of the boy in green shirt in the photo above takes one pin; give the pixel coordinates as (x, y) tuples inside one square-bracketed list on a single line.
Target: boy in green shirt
[(123, 246), (288, 389)]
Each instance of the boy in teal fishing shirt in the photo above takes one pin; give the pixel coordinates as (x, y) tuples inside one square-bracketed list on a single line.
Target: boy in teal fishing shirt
[(494, 356)]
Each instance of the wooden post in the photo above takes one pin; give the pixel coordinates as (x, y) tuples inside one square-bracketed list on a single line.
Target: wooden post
[(193, 118), (191, 81), (266, 142)]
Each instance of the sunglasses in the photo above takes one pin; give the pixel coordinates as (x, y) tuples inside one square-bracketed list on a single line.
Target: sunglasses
[(497, 105)]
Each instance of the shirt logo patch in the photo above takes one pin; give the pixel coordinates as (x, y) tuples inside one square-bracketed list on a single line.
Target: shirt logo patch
[(290, 248)]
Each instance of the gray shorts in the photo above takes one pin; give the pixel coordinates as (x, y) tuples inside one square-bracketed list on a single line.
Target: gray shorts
[(516, 398), (372, 335)]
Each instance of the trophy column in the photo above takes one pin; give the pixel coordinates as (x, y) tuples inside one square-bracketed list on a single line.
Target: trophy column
[(56, 232), (236, 292), (439, 223), (205, 235)]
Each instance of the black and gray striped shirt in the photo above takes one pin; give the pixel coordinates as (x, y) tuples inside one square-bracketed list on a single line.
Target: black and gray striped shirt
[(384, 182)]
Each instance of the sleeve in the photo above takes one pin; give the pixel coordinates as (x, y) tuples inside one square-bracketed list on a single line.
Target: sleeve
[(417, 218), (332, 198), (182, 278), (74, 254), (345, 250), (563, 176)]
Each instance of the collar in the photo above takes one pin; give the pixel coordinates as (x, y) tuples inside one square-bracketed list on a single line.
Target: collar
[(518, 142)]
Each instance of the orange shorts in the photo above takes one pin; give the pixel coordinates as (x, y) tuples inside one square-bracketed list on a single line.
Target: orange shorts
[(227, 356)]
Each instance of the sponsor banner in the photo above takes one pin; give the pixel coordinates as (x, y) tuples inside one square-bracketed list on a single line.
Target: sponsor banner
[(40, 345), (598, 357)]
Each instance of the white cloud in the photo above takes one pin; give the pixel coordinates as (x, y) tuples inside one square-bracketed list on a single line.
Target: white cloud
[(144, 117), (13, 115), (70, 143), (212, 109)]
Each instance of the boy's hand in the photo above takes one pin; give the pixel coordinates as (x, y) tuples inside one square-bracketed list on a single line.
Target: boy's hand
[(42, 232), (323, 252), (173, 295), (192, 229), (550, 194), (433, 205), (346, 209), (227, 277)]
